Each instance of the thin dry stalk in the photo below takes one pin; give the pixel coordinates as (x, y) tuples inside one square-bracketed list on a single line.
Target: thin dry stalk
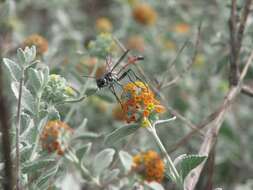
[(6, 142)]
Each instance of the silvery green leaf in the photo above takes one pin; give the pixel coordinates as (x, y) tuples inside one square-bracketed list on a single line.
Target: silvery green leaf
[(81, 151), (53, 114), (102, 160), (42, 123), (109, 175), (12, 68), (120, 133), (87, 135), (25, 122), (188, 163), (21, 56), (30, 54), (45, 72), (37, 165), (90, 91), (27, 98), (155, 186), (25, 135), (126, 160), (25, 153), (44, 178), (34, 79)]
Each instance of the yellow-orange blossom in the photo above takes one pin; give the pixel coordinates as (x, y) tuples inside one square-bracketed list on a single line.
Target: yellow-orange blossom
[(139, 102)]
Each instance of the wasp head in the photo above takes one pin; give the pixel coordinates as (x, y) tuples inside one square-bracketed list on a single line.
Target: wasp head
[(101, 82)]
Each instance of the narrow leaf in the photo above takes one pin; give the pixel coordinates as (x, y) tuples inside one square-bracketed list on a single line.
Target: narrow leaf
[(27, 98), (80, 152), (126, 160), (12, 68), (102, 160), (37, 165), (188, 163), (120, 133)]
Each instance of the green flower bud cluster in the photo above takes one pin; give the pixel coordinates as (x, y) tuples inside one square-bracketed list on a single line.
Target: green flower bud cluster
[(102, 46), (57, 90)]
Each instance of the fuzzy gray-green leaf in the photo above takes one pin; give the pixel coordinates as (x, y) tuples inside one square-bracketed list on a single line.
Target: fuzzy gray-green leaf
[(188, 163), (126, 160), (37, 165), (27, 98), (120, 133), (81, 151), (102, 160), (12, 68)]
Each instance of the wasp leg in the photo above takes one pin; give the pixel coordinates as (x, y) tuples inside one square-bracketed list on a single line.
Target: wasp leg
[(112, 89), (127, 73)]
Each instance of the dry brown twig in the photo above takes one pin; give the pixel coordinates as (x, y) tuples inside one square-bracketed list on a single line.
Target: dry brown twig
[(6, 141), (214, 126), (192, 61)]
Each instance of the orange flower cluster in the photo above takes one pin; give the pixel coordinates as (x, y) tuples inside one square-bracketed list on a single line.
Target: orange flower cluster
[(54, 136), (40, 42), (149, 165), (144, 14), (139, 102)]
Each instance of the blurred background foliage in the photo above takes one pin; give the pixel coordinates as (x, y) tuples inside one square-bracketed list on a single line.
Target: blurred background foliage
[(157, 30)]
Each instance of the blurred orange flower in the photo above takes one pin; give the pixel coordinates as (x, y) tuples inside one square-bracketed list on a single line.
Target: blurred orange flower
[(149, 165), (55, 135), (37, 40), (182, 28), (103, 24), (144, 14), (136, 42)]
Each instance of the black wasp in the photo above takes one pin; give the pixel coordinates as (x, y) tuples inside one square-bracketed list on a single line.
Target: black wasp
[(111, 77)]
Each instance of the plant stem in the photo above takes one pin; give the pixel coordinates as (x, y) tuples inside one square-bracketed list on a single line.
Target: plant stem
[(7, 182), (172, 168), (18, 129)]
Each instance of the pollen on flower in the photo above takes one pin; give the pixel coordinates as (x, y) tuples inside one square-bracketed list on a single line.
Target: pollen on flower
[(55, 136), (37, 40), (139, 102), (149, 165), (143, 13)]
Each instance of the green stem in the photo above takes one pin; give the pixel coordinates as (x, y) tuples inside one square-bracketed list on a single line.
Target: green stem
[(32, 157), (173, 171), (18, 129)]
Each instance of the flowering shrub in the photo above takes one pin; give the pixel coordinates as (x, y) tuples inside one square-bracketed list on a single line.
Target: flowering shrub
[(180, 98)]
